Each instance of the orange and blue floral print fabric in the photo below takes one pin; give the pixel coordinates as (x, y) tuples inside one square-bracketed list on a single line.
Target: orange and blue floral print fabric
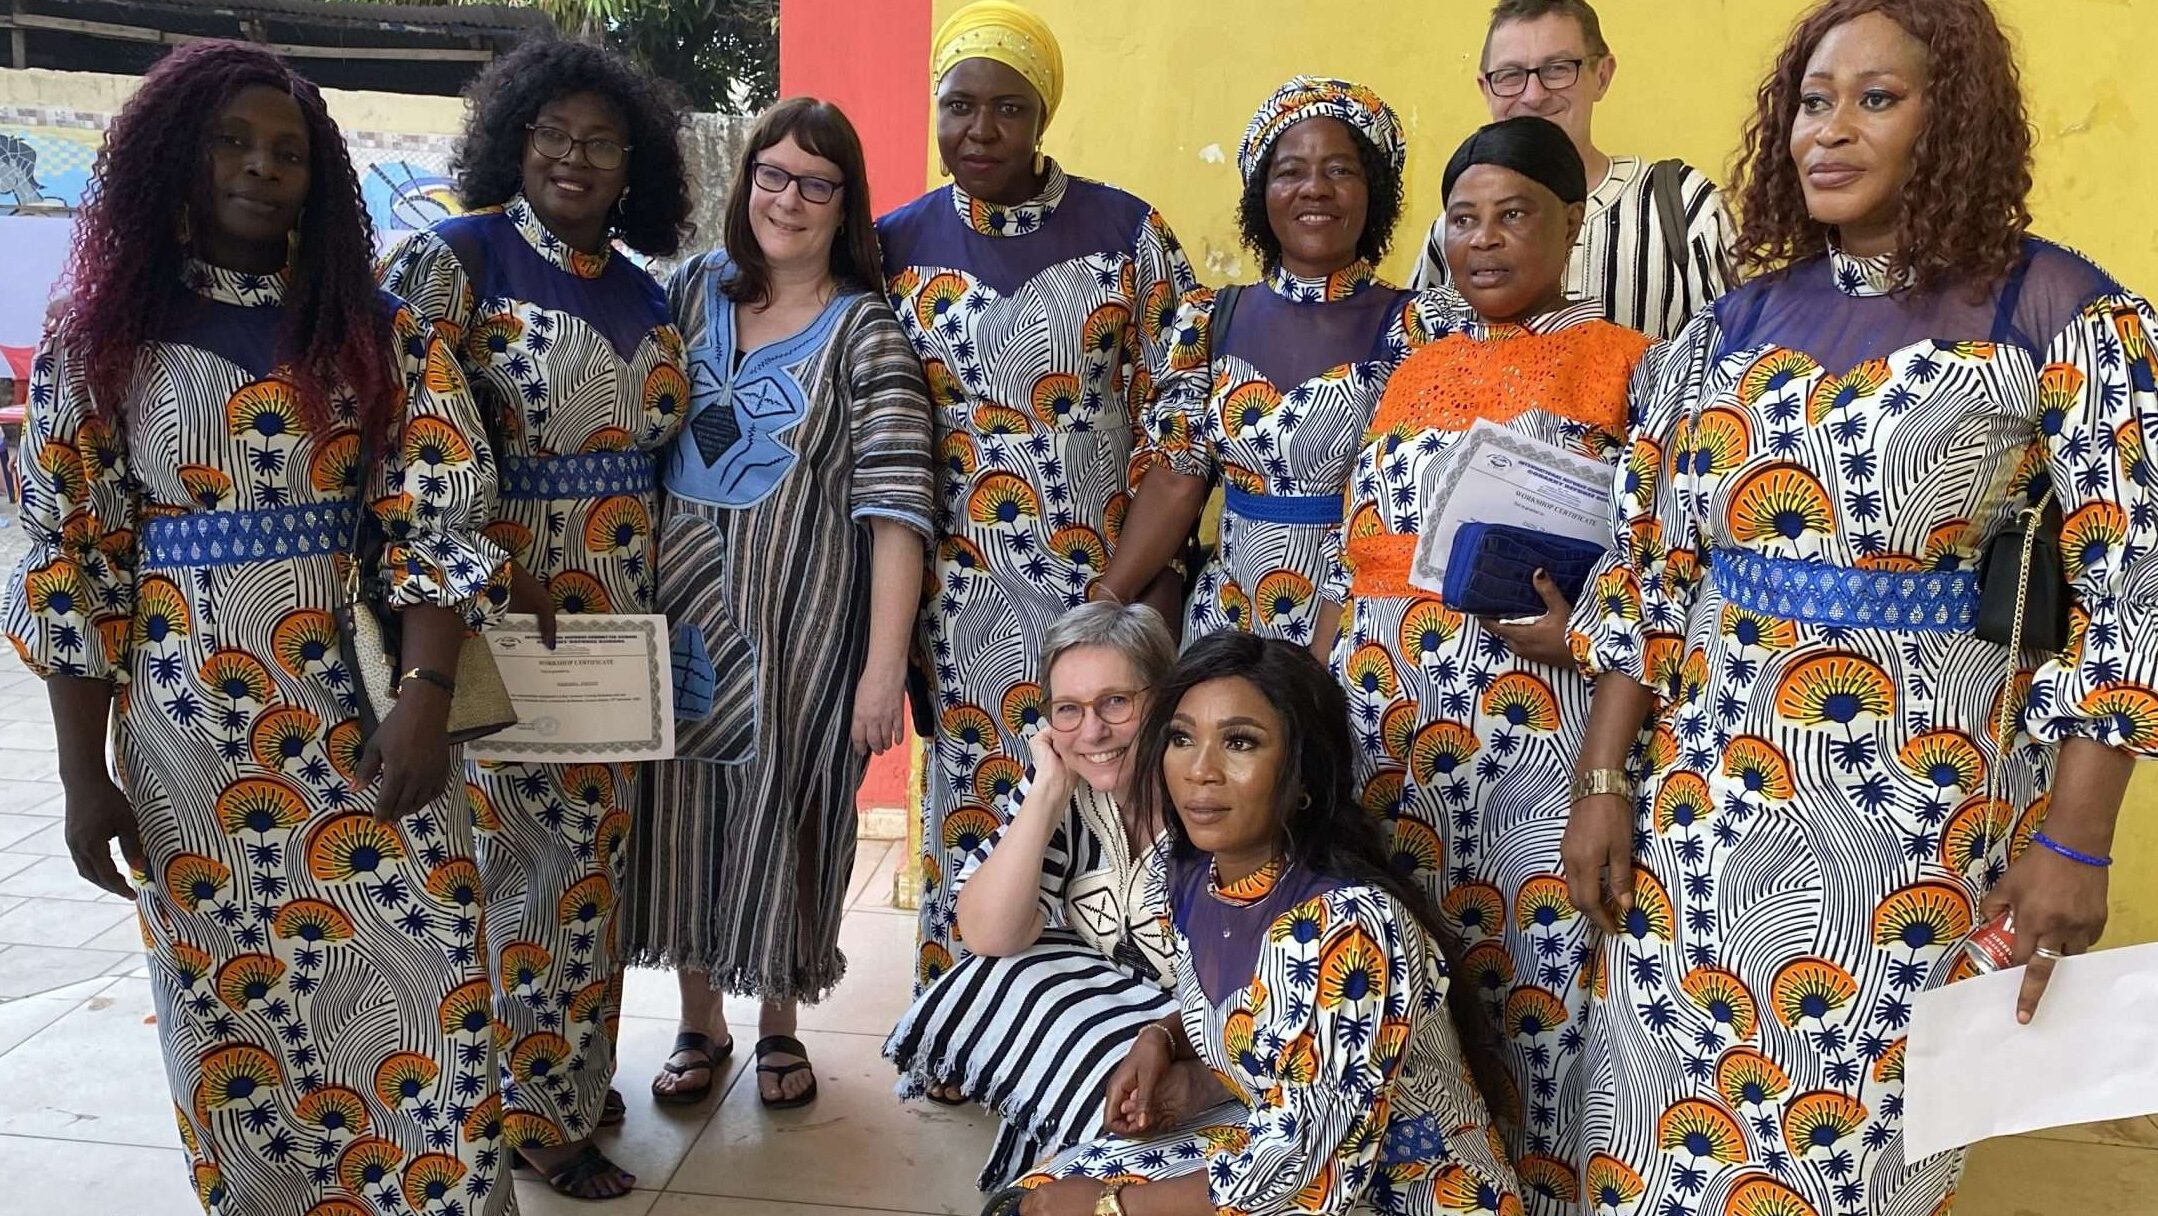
[(1827, 802), (320, 987), (578, 369)]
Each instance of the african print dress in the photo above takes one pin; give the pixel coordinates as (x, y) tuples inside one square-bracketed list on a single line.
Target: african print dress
[(1321, 1008), (578, 373), (740, 868), (1283, 453), (1043, 329), (1035, 1035), (1468, 749), (1819, 463), (321, 996)]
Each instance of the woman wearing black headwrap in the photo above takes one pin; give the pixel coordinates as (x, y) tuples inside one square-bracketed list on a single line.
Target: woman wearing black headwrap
[(1468, 726)]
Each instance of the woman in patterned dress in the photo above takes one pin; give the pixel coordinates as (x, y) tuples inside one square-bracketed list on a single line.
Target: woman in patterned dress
[(1466, 725), (578, 371), (797, 515), (1276, 403), (1068, 959), (195, 448), (1043, 308), (1843, 776), (1311, 974)]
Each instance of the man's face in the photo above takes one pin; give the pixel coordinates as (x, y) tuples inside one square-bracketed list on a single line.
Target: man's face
[(1549, 62)]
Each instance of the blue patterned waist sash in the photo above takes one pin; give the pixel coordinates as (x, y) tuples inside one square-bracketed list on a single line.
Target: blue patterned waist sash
[(582, 475), (1816, 593), (235, 538), (1311, 510), (1422, 1138)]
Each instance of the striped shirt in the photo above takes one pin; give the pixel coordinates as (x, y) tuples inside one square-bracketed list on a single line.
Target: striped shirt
[(1622, 258)]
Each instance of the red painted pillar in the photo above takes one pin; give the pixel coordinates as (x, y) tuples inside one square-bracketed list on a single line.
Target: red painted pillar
[(872, 60)]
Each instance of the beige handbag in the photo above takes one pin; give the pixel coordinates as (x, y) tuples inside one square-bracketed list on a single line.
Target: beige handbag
[(369, 639)]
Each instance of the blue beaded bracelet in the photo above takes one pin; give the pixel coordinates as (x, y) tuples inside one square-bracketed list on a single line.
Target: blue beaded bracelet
[(2089, 859)]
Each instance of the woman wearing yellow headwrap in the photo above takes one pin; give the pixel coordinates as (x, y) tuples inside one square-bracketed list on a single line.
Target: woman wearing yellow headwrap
[(1043, 308)]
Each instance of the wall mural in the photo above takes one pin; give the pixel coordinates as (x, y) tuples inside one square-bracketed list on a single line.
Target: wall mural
[(47, 154)]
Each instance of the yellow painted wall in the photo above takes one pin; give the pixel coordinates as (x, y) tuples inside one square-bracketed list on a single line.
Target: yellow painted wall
[(1157, 95)]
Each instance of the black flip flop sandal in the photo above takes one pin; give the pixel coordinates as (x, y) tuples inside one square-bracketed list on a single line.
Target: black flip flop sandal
[(932, 1094), (569, 1178), (775, 1044), (690, 1040), (1005, 1202)]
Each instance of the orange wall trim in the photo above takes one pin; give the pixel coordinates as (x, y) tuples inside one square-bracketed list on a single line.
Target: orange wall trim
[(871, 58)]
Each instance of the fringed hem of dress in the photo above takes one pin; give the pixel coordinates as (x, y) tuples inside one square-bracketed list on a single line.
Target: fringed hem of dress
[(802, 985)]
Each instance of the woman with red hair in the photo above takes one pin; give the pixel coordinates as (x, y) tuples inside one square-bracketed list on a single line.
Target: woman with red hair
[(1850, 763), (225, 397)]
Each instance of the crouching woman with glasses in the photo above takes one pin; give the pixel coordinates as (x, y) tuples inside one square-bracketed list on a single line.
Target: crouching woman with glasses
[(1067, 959)]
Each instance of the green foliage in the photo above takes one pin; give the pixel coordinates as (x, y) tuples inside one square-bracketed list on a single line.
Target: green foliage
[(723, 53)]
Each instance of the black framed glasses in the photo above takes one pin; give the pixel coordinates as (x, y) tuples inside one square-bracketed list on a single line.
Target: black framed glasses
[(1114, 708), (773, 179), (1555, 75), (554, 143)]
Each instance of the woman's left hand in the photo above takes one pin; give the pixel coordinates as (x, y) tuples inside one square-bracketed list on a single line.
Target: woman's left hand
[(1064, 1197), (409, 751), (2057, 903), (1542, 640), (880, 711)]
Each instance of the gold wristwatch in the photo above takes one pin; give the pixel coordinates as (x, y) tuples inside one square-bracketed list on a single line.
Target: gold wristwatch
[(1111, 1202), (1596, 782)]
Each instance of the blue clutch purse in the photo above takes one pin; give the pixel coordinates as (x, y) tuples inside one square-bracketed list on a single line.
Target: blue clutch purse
[(1491, 570), (696, 681)]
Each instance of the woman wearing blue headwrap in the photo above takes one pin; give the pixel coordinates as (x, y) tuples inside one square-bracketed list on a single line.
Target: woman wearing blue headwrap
[(1276, 400)]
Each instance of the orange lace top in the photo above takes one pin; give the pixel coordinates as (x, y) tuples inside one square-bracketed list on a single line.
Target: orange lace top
[(1581, 372)]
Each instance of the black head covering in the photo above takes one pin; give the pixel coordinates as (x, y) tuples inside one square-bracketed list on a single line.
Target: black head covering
[(1536, 148)]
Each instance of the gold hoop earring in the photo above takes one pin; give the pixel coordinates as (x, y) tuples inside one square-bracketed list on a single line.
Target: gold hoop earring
[(1041, 162)]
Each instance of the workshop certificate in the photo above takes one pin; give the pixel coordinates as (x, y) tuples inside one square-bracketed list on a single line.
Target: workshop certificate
[(1498, 475), (604, 693)]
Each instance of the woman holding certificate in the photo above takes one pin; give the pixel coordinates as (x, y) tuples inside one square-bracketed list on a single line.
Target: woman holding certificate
[(1820, 565), (578, 371), (1467, 716), (798, 508)]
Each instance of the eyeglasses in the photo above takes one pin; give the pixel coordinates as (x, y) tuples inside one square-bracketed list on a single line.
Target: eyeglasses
[(554, 143), (773, 179), (1555, 75), (1113, 708)]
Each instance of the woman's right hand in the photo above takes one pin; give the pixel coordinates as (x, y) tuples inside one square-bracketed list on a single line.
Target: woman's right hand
[(1050, 771), (1597, 855), (1133, 1105), (99, 813), (529, 595)]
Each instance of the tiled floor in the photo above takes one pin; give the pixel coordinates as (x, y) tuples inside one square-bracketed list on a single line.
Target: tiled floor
[(83, 1108)]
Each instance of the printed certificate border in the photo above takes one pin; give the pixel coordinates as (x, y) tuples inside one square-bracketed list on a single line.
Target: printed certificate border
[(660, 659)]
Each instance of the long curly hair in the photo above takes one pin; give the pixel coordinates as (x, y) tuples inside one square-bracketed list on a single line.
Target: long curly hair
[(1966, 210), (1327, 830), (126, 269), (653, 218), (1381, 215)]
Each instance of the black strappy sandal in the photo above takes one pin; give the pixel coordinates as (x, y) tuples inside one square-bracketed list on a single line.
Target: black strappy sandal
[(1005, 1202), (690, 1040), (571, 1177), (773, 1044), (614, 1112), (945, 1099)]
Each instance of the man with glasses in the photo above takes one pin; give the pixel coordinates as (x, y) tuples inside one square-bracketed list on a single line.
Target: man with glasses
[(1656, 244)]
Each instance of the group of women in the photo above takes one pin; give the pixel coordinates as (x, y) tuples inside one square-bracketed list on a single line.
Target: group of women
[(1362, 904), (380, 981), (1681, 852)]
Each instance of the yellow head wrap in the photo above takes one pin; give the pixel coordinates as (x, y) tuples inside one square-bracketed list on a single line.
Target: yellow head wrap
[(1009, 34)]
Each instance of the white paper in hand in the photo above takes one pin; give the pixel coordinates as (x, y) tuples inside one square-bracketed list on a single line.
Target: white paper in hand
[(2090, 1053)]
